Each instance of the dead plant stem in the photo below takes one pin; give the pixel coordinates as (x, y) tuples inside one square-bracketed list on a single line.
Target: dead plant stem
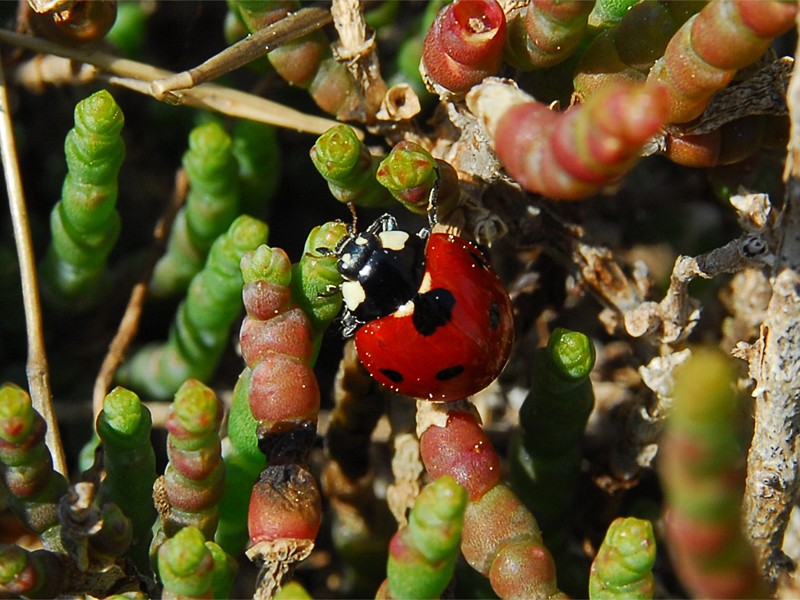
[(139, 76), (36, 367), (773, 477)]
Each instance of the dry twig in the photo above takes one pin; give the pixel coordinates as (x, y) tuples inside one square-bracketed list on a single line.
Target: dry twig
[(772, 468), (139, 76), (38, 375)]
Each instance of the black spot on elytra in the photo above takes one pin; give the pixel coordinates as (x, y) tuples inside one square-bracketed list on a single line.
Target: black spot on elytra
[(432, 310), (392, 375), (449, 373), (494, 316)]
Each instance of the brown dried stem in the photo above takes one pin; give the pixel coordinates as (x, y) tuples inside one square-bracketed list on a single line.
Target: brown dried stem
[(772, 465), (38, 375), (138, 77), (129, 324), (254, 46)]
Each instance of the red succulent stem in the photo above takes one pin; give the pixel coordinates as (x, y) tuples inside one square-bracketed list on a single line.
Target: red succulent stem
[(701, 466), (277, 345), (194, 478), (464, 45), (500, 538), (705, 53), (26, 574), (573, 154)]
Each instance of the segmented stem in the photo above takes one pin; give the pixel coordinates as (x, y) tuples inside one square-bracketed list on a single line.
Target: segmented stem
[(349, 168), (463, 46), (26, 467), (500, 538), (410, 173), (547, 33), (546, 452), (702, 471), (186, 566), (124, 427), (569, 155), (705, 53), (194, 478), (85, 223), (211, 206), (307, 62), (257, 152), (623, 567), (26, 574), (202, 325), (422, 555)]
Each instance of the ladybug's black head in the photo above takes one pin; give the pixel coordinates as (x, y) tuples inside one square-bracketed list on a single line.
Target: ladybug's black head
[(355, 253)]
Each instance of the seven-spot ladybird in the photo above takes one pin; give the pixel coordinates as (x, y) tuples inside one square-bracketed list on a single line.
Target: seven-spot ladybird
[(430, 316)]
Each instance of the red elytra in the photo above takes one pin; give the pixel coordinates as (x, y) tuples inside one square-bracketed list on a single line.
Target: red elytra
[(470, 341)]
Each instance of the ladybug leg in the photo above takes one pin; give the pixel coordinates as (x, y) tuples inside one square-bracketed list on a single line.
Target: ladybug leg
[(349, 324), (385, 222)]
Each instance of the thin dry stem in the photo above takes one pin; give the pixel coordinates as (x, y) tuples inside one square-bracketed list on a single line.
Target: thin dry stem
[(773, 480), (138, 77), (38, 375), (673, 319), (254, 46), (129, 324)]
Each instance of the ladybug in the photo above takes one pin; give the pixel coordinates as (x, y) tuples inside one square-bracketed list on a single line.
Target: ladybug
[(430, 316)]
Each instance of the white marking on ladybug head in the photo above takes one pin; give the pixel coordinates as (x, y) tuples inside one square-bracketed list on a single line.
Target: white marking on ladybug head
[(361, 240), (346, 259), (404, 310), (352, 294), (393, 240), (425, 285)]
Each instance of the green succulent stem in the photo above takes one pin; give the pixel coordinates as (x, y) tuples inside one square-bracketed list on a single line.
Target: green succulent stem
[(423, 554), (345, 162), (411, 173), (26, 467), (85, 223), (124, 426), (546, 451), (258, 153), (212, 203), (195, 475), (623, 567), (315, 279), (201, 328), (186, 565), (27, 574)]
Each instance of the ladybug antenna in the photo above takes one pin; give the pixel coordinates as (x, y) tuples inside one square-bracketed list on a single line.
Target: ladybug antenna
[(354, 224), (433, 197)]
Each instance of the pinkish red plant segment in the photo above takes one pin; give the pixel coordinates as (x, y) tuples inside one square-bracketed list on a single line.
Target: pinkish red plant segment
[(569, 155), (500, 538), (464, 45), (705, 53)]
